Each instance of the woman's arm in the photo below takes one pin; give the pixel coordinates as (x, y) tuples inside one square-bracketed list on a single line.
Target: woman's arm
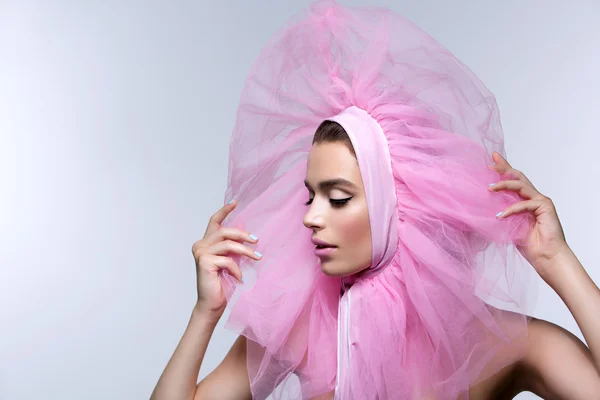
[(178, 381), (558, 365), (571, 282), (229, 381)]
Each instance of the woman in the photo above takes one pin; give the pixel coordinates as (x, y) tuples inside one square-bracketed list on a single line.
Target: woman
[(557, 364), (405, 303)]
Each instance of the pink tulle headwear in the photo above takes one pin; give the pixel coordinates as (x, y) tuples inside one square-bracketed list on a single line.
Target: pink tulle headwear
[(446, 300)]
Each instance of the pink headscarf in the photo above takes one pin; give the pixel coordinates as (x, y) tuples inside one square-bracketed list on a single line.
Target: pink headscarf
[(445, 301)]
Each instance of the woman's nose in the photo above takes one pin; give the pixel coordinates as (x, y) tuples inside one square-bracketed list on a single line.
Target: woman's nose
[(312, 219)]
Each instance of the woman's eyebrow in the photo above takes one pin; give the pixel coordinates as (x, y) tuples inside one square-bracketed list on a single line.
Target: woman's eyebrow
[(329, 183)]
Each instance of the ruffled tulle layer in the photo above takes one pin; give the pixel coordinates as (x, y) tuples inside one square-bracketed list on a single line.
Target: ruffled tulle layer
[(451, 307)]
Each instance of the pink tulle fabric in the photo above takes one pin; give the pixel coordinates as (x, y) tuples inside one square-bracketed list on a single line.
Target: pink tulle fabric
[(446, 300)]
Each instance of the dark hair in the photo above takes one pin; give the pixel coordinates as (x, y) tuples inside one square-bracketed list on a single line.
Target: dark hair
[(331, 132)]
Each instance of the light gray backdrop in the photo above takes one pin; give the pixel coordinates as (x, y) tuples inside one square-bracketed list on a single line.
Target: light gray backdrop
[(115, 120)]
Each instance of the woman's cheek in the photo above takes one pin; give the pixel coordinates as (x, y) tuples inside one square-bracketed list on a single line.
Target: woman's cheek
[(355, 231)]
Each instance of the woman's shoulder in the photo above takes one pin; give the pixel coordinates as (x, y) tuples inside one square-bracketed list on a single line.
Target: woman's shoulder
[(504, 384), (513, 378), (557, 364)]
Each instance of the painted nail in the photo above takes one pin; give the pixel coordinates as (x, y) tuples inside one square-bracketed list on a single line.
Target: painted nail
[(499, 214), (253, 237), (230, 202), (492, 184), (257, 253)]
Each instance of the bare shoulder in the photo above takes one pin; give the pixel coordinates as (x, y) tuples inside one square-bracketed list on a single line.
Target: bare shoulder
[(557, 364), (230, 379), (504, 384)]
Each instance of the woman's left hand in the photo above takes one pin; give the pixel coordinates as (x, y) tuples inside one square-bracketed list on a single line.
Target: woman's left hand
[(546, 239)]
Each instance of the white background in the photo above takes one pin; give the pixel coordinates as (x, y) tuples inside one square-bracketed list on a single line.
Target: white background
[(115, 120)]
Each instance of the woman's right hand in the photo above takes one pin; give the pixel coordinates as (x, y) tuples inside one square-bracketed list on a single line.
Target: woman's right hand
[(210, 254)]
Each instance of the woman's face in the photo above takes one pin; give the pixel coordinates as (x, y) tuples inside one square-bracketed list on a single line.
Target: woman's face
[(337, 212)]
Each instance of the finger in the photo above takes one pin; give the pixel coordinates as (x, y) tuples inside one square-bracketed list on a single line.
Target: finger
[(229, 246), (217, 218), (526, 205), (230, 233), (499, 160), (521, 176), (512, 174), (503, 167), (522, 188), (229, 265)]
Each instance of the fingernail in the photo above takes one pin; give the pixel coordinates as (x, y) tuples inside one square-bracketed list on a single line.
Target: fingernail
[(257, 254), (230, 202), (499, 214), (253, 237), (492, 184), (242, 279)]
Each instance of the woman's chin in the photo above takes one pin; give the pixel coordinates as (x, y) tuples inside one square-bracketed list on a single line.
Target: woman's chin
[(328, 268), (332, 268)]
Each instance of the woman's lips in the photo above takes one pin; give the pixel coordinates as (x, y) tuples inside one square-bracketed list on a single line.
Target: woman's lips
[(325, 251)]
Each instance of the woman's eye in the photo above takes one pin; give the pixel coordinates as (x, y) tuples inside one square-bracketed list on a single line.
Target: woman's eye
[(334, 202), (339, 202)]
